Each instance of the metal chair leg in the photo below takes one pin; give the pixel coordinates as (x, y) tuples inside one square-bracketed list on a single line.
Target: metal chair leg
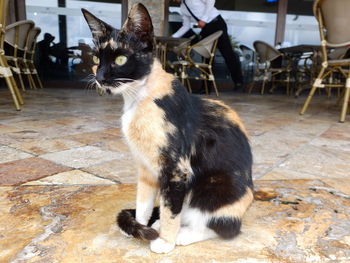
[(189, 85), (316, 85), (31, 81), (206, 87), (212, 78), (19, 74), (16, 90), (346, 101), (38, 80), (288, 84), (13, 93)]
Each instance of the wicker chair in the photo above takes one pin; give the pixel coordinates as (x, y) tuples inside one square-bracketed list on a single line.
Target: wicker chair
[(16, 36), (30, 53), (180, 65), (5, 69), (333, 19), (267, 58), (206, 49)]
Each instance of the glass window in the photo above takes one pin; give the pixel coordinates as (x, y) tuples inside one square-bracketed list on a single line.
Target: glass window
[(244, 27), (301, 30), (72, 59)]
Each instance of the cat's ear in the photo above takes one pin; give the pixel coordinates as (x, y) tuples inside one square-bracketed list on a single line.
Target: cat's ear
[(139, 22), (99, 29)]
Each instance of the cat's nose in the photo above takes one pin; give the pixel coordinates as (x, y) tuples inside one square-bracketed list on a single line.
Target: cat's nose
[(100, 77)]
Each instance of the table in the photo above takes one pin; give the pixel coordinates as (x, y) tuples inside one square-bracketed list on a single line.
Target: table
[(165, 44), (300, 49), (310, 67)]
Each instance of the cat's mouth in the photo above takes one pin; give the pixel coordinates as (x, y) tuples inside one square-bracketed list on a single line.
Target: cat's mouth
[(102, 90), (115, 88)]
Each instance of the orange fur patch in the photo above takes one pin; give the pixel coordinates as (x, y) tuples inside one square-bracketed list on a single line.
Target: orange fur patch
[(231, 115), (147, 185), (148, 132), (160, 81), (169, 225), (238, 208)]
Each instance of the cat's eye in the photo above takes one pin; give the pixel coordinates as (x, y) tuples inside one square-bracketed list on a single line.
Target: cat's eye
[(121, 60), (96, 60)]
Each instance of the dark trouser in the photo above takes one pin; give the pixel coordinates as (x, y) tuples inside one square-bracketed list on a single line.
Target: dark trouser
[(231, 58)]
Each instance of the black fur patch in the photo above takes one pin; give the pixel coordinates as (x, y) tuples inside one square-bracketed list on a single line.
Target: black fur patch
[(222, 162), (136, 67), (225, 227), (180, 110)]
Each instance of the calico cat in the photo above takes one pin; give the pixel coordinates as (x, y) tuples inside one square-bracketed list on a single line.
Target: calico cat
[(193, 152)]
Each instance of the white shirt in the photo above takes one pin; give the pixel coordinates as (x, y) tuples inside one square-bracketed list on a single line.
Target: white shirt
[(203, 9)]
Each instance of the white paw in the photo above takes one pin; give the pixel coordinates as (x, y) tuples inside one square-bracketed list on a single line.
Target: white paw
[(184, 237), (159, 245), (156, 225)]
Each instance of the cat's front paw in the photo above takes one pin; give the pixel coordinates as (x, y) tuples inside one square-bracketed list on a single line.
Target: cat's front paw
[(184, 237), (159, 245)]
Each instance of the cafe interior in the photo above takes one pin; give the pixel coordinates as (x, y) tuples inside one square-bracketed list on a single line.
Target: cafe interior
[(66, 169)]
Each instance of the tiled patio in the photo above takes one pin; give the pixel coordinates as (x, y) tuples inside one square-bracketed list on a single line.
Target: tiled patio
[(65, 172)]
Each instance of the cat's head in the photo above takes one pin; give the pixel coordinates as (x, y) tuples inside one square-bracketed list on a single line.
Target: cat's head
[(123, 57)]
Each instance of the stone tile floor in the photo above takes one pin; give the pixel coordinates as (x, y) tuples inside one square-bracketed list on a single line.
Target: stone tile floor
[(65, 172)]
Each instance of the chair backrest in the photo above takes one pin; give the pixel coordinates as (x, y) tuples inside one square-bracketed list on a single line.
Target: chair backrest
[(17, 33), (3, 15), (3, 12), (207, 45), (265, 51), (334, 19), (32, 37), (180, 50)]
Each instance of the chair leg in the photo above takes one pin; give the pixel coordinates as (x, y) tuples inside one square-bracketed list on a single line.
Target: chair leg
[(38, 80), (33, 73), (346, 101), (29, 75), (16, 90), (273, 84), (215, 88), (13, 93), (182, 74), (206, 87), (212, 78), (263, 86), (316, 84), (288, 84), (189, 85), (31, 81), (18, 72)]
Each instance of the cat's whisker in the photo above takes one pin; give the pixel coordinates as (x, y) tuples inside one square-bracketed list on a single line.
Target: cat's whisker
[(90, 83), (122, 79)]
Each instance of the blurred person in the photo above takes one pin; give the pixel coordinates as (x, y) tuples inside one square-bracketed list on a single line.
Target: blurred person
[(209, 20), (42, 55)]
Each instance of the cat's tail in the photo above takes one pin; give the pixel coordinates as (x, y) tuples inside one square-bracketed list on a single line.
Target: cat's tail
[(128, 224)]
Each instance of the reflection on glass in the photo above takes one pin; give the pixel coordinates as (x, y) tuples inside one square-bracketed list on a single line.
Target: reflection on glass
[(71, 60)]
